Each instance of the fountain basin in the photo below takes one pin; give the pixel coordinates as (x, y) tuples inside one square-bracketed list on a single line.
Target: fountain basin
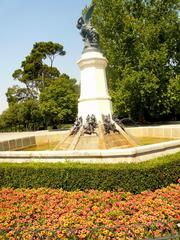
[(128, 155)]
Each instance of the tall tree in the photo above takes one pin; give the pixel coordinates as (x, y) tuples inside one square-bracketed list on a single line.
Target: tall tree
[(34, 73), (49, 50), (141, 42), (47, 98)]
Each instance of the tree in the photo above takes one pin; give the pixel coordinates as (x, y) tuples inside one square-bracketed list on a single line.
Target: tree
[(17, 94), (174, 97), (140, 40), (48, 98), (34, 73), (23, 116), (49, 50), (58, 101)]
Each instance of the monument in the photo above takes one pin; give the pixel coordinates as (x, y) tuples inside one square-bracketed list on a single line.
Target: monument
[(96, 136), (94, 127), (94, 98)]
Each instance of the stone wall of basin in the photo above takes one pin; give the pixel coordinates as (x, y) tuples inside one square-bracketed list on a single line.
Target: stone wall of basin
[(49, 137), (17, 144), (166, 131), (18, 141), (128, 155)]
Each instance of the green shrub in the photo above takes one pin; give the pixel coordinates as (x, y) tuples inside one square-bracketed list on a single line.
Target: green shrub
[(135, 177)]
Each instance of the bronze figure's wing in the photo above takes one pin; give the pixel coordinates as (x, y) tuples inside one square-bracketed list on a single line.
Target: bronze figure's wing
[(88, 15)]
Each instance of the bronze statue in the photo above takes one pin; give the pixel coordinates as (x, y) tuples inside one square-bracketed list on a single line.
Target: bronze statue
[(90, 125), (87, 31), (109, 126), (77, 125)]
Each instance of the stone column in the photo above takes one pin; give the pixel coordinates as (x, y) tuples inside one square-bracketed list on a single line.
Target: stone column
[(94, 97)]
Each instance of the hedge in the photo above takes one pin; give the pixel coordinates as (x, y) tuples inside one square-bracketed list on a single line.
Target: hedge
[(134, 178)]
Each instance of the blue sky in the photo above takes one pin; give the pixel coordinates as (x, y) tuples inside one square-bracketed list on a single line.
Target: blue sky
[(24, 22)]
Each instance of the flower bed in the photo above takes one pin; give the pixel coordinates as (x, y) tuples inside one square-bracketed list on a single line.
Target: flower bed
[(91, 214)]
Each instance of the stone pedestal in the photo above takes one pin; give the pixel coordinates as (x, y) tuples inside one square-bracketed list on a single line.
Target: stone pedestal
[(94, 97)]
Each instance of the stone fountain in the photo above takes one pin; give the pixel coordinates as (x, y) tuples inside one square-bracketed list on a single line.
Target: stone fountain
[(95, 127), (96, 136)]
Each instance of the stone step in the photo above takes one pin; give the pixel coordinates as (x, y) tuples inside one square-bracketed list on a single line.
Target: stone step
[(88, 142), (115, 140), (65, 144)]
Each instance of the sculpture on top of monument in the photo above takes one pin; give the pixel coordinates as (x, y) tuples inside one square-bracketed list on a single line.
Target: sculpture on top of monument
[(87, 31)]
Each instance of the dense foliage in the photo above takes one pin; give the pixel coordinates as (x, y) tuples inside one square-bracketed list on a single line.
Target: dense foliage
[(129, 177), (34, 74), (57, 92), (57, 214), (58, 101), (141, 42)]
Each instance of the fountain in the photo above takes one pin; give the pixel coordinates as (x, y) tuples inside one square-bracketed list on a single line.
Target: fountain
[(96, 136), (95, 127)]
